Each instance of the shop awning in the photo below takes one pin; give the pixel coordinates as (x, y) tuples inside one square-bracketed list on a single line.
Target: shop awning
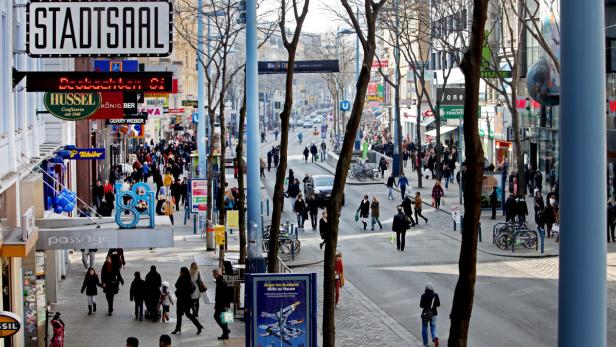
[(444, 130)]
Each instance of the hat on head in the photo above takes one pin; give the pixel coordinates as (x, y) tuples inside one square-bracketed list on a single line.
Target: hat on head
[(429, 286), (165, 284)]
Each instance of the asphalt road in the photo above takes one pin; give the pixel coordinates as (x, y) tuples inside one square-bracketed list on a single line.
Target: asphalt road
[(514, 304)]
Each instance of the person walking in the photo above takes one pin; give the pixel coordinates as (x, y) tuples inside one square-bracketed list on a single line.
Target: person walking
[(428, 303), (137, 294), (176, 193), (221, 304), (276, 134), (90, 282), (111, 279), (262, 167), (400, 226), (437, 194), (364, 211), (383, 166), (407, 207), (57, 324), (522, 209), (184, 288), (391, 182), (306, 154), (314, 151), (98, 193), (89, 255), (313, 210), (611, 221), (323, 151), (539, 206), (338, 275), (300, 209), (165, 301), (403, 182), (200, 287), (511, 206), (269, 160), (493, 202), (153, 282), (168, 209), (324, 228), (418, 207), (375, 211)]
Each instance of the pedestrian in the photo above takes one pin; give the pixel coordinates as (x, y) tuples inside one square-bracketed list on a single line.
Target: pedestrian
[(338, 275), (493, 201), (403, 182), (363, 211), (117, 257), (300, 209), (539, 206), (262, 167), (98, 192), (276, 134), (375, 211), (511, 207), (269, 160), (184, 191), (437, 194), (400, 226), (538, 180), (418, 207), (165, 301), (405, 157), (407, 207), (611, 221), (313, 210), (168, 208), (132, 342), (200, 287), (90, 282), (314, 151), (57, 340), (383, 166), (300, 137), (306, 154), (522, 210), (262, 136), (137, 294), (222, 302), (324, 228), (391, 182), (276, 158), (153, 282), (111, 279), (176, 193), (164, 341), (184, 288), (428, 303), (323, 151), (89, 255)]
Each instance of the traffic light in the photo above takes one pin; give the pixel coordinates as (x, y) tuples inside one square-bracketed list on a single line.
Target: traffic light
[(242, 8)]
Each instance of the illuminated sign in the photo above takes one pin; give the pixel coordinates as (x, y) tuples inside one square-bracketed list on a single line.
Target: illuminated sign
[(87, 154), (9, 324), (74, 28), (90, 81)]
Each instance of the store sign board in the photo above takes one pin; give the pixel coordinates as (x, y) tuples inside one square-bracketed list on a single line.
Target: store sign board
[(189, 103), (68, 28), (86, 154), (55, 239), (301, 66), (198, 195), (9, 324), (450, 96), (452, 112), (92, 81), (72, 106)]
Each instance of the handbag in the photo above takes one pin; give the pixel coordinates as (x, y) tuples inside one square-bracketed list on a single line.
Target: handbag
[(227, 317), (200, 285), (357, 216), (426, 314)]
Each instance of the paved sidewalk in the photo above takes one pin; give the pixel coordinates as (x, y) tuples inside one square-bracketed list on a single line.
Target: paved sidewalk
[(102, 330)]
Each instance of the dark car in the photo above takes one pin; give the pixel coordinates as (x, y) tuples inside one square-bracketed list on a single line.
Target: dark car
[(321, 186)]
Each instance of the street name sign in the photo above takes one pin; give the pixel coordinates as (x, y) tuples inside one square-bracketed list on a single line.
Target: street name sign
[(301, 66), (452, 111), (73, 28)]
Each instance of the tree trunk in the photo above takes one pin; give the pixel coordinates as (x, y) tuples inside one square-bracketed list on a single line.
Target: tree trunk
[(464, 294), (515, 123), (223, 149), (240, 181), (210, 172), (272, 254)]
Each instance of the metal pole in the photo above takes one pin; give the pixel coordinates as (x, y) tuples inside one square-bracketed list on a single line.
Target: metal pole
[(357, 137), (395, 169), (256, 262), (582, 281)]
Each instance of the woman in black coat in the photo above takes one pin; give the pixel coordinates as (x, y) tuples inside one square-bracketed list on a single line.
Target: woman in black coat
[(111, 278), (90, 282), (184, 288)]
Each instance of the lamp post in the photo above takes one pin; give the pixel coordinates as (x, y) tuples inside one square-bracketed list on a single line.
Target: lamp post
[(349, 32), (395, 169)]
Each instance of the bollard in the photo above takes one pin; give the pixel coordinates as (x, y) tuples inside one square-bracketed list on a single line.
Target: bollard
[(261, 207), (195, 224), (454, 225), (541, 237), (479, 231), (267, 204), (262, 225)]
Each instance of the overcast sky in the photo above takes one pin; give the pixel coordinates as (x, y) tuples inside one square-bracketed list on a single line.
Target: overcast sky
[(319, 19)]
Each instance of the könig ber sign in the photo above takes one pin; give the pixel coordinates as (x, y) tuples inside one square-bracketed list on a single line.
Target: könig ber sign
[(69, 28)]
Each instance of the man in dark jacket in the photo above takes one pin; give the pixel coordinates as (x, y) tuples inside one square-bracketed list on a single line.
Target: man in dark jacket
[(324, 228), (493, 202), (137, 293), (98, 192), (522, 209), (222, 302), (153, 282), (313, 210), (407, 205), (510, 209), (176, 192), (314, 151), (428, 303), (400, 226), (364, 211), (391, 182), (611, 221)]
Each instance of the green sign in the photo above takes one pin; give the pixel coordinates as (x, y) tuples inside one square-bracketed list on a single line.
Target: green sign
[(452, 111), (72, 106), (487, 62), (189, 103), (483, 133)]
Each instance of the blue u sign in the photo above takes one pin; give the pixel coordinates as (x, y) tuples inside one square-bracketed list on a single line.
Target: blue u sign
[(137, 201), (345, 105)]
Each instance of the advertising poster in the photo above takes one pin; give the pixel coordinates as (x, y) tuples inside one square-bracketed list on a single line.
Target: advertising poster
[(490, 180), (198, 195), (282, 310)]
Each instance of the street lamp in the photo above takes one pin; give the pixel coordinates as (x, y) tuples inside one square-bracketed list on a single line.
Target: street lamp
[(350, 32)]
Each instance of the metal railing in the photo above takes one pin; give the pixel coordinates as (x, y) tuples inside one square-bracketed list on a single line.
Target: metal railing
[(283, 268)]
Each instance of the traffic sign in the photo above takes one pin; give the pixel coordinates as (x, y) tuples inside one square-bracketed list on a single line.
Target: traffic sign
[(452, 111), (323, 131), (345, 105)]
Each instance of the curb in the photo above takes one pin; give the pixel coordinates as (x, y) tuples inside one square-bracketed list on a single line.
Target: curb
[(530, 256), (349, 182), (312, 262)]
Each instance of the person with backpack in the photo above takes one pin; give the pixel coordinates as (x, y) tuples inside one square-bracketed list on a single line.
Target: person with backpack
[(428, 303)]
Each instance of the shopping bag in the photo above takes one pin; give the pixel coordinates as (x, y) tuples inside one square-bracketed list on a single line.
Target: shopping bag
[(392, 239), (357, 216), (226, 317)]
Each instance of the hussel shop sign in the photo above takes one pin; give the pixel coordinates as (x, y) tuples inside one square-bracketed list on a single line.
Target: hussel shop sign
[(69, 28)]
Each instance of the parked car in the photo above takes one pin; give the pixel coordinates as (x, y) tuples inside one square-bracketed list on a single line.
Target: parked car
[(321, 186), (307, 124)]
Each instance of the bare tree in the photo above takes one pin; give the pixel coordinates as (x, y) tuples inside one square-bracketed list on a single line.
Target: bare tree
[(529, 19), (462, 305), (367, 36), (291, 47)]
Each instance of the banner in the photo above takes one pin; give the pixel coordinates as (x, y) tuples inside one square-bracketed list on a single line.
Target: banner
[(233, 219), (282, 310), (198, 195)]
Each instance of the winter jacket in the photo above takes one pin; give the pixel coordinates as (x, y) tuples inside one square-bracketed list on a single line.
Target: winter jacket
[(111, 278), (364, 209), (426, 300), (418, 203), (184, 288), (391, 181), (313, 206), (437, 191), (90, 283), (222, 297), (137, 289), (300, 208), (400, 223), (374, 209)]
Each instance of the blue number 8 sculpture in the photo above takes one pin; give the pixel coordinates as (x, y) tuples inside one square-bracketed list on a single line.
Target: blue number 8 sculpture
[(138, 204)]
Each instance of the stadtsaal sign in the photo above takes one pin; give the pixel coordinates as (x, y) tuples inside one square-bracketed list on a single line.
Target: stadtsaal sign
[(75, 28), (9, 324)]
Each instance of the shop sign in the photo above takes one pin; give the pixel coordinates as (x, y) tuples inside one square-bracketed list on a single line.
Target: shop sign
[(67, 28), (452, 112), (190, 103), (198, 195), (72, 106), (450, 96), (9, 324), (27, 224), (123, 121), (55, 239), (92, 81), (176, 110), (233, 219), (380, 63), (152, 110), (86, 154), (219, 233)]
